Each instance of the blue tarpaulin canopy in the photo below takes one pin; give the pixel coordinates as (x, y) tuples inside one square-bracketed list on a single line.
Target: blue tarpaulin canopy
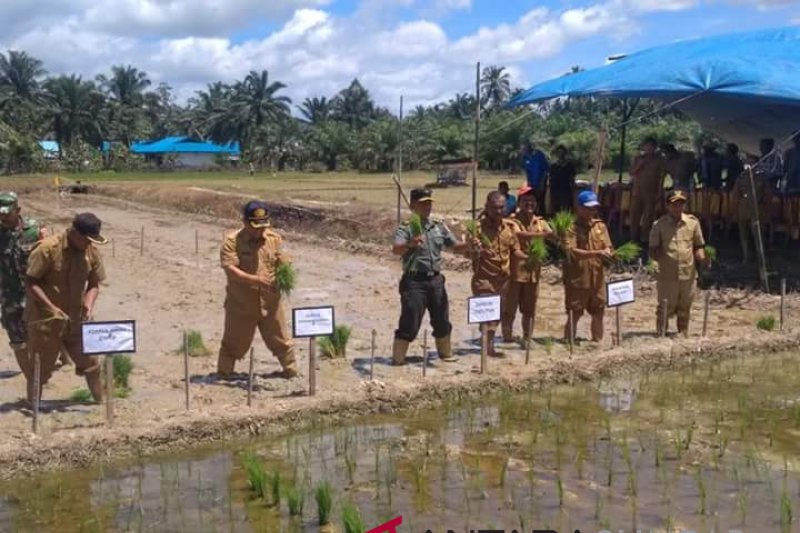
[(742, 87)]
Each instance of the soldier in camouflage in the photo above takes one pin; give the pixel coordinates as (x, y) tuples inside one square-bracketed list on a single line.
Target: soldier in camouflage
[(18, 237)]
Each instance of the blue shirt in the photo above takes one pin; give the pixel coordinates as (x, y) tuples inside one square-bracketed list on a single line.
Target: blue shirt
[(511, 204), (536, 167)]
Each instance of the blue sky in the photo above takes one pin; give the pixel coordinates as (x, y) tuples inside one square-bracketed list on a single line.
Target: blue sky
[(423, 49)]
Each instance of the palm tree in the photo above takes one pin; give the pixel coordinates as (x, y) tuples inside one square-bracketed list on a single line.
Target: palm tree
[(461, 106), (19, 89), (316, 110), (74, 109), (125, 89), (354, 106), (495, 86)]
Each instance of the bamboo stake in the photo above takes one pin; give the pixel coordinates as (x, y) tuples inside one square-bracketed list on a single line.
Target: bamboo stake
[(372, 356), (312, 366), (484, 347), (37, 389), (619, 326), (783, 301), (250, 378), (705, 313), (424, 352), (110, 390), (141, 242), (186, 368)]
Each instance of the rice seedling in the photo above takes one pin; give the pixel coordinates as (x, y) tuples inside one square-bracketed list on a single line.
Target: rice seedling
[(766, 323), (296, 500), (562, 223), (741, 505), (651, 267), (711, 253), (628, 252), (474, 231), (548, 345), (257, 477), (350, 464), (351, 519), (275, 489), (786, 508), (579, 459), (324, 498), (701, 489), (123, 365), (560, 489), (415, 225), (81, 396), (335, 346), (195, 344), (537, 253), (503, 472)]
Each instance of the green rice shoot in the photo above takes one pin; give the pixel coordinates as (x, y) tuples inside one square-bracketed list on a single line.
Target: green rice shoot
[(81, 396), (351, 519), (324, 497), (123, 365), (195, 344), (335, 346), (275, 489), (711, 253), (628, 252), (537, 253), (474, 231), (257, 477), (296, 500), (651, 267), (562, 223), (766, 323), (415, 225), (285, 277)]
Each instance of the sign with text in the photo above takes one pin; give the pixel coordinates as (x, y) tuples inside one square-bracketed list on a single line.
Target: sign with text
[(105, 338), (312, 322), (484, 309), (620, 292)]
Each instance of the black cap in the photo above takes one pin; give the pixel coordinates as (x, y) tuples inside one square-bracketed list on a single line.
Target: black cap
[(421, 195), (257, 213), (88, 225)]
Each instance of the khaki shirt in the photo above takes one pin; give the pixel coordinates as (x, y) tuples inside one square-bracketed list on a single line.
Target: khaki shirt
[(63, 273), (588, 272), (648, 179), (519, 268), (503, 243), (676, 242), (258, 257)]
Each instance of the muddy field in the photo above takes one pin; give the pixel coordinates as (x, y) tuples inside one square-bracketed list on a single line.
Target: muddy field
[(169, 288)]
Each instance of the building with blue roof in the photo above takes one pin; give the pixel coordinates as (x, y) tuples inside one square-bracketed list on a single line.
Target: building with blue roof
[(187, 152)]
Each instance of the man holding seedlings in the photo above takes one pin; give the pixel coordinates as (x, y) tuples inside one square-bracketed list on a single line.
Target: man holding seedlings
[(647, 185), (250, 258), (420, 242), (587, 246), (523, 288), (18, 236), (63, 282), (493, 243), (676, 245)]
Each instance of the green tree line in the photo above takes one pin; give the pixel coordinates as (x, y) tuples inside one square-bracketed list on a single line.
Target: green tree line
[(346, 130)]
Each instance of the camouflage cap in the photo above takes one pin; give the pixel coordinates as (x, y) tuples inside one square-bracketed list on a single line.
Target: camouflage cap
[(8, 202)]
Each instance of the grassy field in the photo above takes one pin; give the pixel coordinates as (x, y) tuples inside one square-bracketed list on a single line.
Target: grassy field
[(333, 188)]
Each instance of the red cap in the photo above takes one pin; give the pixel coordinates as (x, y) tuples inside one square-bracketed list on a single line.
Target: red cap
[(525, 189)]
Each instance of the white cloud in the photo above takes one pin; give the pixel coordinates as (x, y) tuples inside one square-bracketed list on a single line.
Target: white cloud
[(661, 5)]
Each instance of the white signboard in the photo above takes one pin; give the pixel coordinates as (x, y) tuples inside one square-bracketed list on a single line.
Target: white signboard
[(312, 321), (620, 292), (102, 338), (484, 309)]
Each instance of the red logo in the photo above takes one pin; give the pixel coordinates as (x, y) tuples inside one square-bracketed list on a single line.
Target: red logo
[(388, 527)]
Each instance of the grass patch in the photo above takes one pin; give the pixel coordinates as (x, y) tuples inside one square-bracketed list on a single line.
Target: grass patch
[(351, 519), (81, 396), (335, 345), (324, 497), (285, 278), (766, 323), (257, 477), (195, 344)]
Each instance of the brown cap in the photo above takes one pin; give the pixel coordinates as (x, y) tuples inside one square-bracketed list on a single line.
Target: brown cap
[(88, 225), (677, 196)]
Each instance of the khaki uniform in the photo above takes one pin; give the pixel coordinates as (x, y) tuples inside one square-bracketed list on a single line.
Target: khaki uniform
[(676, 242), (63, 273), (491, 271), (249, 307), (648, 184), (585, 278), (523, 287)]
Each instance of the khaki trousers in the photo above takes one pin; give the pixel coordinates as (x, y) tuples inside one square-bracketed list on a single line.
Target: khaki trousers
[(679, 296), (47, 340), (643, 210), (240, 329), (522, 297)]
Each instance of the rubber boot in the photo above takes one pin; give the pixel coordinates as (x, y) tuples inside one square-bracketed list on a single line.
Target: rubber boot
[(445, 350), (683, 326), (399, 350), (225, 366)]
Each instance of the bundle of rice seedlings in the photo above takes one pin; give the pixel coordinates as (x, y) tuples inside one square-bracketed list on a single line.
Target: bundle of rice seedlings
[(415, 225), (651, 267), (628, 252), (335, 345), (257, 476), (351, 519), (295, 500), (194, 340), (324, 497), (537, 253), (766, 323), (275, 486), (562, 223), (285, 276), (81, 396), (123, 365), (711, 253), (475, 232)]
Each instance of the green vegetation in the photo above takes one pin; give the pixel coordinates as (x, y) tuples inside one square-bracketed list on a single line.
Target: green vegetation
[(285, 277), (766, 323), (562, 223), (123, 366), (537, 253), (415, 225), (295, 499), (324, 497), (275, 489), (474, 231), (711, 253), (335, 345), (195, 344), (628, 252), (81, 396), (257, 477), (351, 519)]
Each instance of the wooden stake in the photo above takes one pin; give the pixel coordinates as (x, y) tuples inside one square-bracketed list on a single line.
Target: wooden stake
[(571, 332), (705, 313), (250, 378), (424, 353), (664, 318), (783, 300), (37, 390), (186, 368), (312, 366), (110, 390), (141, 242), (619, 326), (372, 356), (484, 347), (477, 137)]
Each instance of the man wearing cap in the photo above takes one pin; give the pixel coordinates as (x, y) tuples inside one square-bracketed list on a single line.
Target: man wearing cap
[(647, 177), (523, 288), (422, 285), (63, 282), (492, 251), (587, 246), (676, 245), (18, 236), (250, 258)]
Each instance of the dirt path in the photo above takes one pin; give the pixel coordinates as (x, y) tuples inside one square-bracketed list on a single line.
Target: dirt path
[(169, 288)]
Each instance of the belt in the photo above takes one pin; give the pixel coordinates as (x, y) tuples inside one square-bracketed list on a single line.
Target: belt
[(421, 276)]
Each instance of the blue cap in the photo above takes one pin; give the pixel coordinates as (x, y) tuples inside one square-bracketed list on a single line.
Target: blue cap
[(255, 211), (588, 199)]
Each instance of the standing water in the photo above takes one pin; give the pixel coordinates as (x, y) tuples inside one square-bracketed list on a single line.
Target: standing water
[(711, 447)]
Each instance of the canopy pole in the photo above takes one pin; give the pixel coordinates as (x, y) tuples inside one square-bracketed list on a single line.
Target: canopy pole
[(477, 133), (623, 134)]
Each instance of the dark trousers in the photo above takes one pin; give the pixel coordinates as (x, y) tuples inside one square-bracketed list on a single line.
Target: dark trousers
[(418, 293)]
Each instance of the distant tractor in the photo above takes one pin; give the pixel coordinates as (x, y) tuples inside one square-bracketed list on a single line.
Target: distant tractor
[(453, 172)]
